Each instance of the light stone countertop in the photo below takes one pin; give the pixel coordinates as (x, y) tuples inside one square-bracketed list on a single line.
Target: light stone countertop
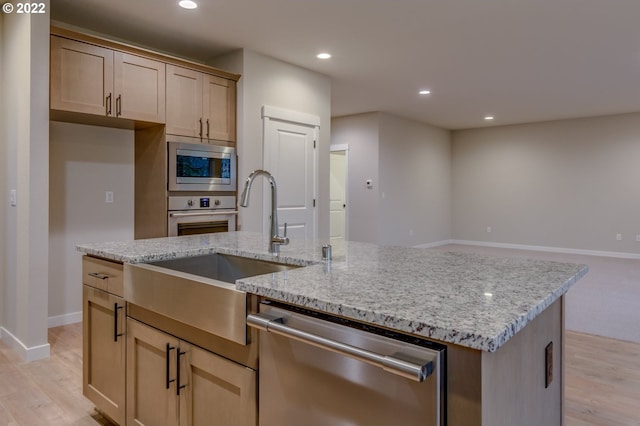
[(472, 300)]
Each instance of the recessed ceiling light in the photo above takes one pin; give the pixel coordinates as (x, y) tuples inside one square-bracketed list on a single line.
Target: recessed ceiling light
[(489, 117), (323, 55), (187, 4), (424, 92)]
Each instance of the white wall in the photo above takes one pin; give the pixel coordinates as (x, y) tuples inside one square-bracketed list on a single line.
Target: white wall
[(415, 182), (567, 184), (360, 133), (267, 81), (410, 166), (85, 161), (25, 139)]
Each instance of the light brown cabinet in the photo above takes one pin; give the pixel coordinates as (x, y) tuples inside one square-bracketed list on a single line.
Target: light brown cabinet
[(200, 105), (103, 323), (172, 382), (96, 80)]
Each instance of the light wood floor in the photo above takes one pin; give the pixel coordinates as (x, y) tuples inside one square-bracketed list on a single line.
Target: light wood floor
[(602, 383), (47, 392)]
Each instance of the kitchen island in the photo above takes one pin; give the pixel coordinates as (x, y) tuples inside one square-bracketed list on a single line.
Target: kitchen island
[(501, 318)]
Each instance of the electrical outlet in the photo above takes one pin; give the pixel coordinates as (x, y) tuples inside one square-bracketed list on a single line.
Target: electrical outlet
[(548, 364), (108, 197), (618, 237), (488, 229), (638, 238)]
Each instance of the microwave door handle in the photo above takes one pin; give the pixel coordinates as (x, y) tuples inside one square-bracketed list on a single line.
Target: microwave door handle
[(187, 214)]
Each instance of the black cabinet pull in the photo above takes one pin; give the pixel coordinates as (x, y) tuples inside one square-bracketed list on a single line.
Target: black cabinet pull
[(207, 128), (168, 380), (98, 275), (115, 322), (200, 127), (178, 385), (108, 104), (119, 106)]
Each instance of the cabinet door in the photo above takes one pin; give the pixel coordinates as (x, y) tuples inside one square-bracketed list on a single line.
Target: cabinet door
[(217, 392), (103, 354), (139, 88), (184, 106), (151, 372), (81, 77), (219, 108)]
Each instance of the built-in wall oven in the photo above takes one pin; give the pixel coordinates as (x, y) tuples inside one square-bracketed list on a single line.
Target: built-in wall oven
[(201, 214), (202, 188)]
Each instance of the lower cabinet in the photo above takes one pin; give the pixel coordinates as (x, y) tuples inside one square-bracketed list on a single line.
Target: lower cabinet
[(103, 354), (172, 382)]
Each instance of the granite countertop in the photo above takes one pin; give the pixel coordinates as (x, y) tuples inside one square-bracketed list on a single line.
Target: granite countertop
[(472, 300)]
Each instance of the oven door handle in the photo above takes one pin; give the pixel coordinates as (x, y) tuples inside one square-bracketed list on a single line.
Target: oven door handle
[(392, 363), (188, 214)]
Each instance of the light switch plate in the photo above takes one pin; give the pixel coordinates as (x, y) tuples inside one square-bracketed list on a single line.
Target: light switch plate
[(13, 198)]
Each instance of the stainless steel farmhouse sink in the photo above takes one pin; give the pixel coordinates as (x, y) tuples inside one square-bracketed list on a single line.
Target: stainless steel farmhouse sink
[(198, 290), (222, 267)]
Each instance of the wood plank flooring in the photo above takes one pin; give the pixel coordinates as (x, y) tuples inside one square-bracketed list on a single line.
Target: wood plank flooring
[(47, 392), (602, 383)]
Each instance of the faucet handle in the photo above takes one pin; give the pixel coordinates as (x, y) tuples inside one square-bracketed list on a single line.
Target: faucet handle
[(284, 240)]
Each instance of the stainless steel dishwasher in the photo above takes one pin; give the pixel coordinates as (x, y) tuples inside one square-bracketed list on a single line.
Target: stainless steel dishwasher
[(316, 369)]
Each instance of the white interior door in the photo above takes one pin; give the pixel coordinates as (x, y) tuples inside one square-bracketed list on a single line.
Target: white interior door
[(338, 194), (290, 157)]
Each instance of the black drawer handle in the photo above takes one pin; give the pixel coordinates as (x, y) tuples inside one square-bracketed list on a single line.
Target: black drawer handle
[(98, 275)]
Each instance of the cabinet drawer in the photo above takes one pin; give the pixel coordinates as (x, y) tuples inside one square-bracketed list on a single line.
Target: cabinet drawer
[(102, 274)]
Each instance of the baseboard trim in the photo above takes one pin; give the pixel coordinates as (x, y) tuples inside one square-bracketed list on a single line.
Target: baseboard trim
[(27, 354), (65, 319), (434, 244), (621, 255)]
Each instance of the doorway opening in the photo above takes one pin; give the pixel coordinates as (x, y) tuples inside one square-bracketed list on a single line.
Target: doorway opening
[(338, 178)]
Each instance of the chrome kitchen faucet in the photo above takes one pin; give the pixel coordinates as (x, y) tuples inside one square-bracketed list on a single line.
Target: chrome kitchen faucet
[(275, 240)]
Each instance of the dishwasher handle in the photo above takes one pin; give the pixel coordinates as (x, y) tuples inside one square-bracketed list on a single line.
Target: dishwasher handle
[(391, 363)]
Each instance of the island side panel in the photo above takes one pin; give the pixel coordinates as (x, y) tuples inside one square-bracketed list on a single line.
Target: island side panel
[(464, 386), (513, 378)]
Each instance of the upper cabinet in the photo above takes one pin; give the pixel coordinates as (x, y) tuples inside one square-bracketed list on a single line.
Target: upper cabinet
[(81, 77), (200, 105), (139, 88), (97, 80)]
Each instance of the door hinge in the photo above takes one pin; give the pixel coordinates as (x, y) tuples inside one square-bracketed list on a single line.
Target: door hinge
[(314, 144), (314, 202)]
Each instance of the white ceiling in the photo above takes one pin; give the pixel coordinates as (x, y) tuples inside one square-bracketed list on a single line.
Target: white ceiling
[(520, 60)]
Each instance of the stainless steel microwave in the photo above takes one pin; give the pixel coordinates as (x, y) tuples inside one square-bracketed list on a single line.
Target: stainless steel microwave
[(201, 167)]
